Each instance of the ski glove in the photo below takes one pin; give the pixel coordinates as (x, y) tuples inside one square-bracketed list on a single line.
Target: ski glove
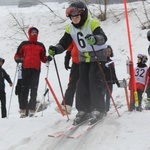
[(52, 50), (118, 84), (67, 60), (49, 58), (19, 60), (90, 39)]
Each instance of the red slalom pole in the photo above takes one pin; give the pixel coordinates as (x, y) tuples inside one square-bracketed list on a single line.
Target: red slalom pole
[(57, 102), (133, 89)]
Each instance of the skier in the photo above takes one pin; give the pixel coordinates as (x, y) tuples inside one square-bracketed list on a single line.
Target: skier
[(72, 52), (141, 74), (3, 76), (110, 75), (30, 53), (87, 35)]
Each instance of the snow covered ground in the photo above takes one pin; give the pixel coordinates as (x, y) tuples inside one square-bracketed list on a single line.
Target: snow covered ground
[(130, 131)]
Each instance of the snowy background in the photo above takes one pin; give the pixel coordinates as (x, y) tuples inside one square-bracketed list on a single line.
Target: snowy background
[(128, 132)]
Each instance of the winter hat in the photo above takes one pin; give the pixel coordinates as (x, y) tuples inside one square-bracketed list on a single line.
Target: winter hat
[(77, 8), (33, 29), (2, 60), (33, 38)]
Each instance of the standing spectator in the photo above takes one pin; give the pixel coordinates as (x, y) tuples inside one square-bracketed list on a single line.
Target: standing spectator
[(72, 52), (3, 76), (30, 53), (110, 75), (86, 33)]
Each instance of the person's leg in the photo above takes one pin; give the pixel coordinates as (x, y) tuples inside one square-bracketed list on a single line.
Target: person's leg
[(3, 104), (26, 79), (110, 86), (139, 108), (33, 88), (96, 84), (82, 92), (70, 91)]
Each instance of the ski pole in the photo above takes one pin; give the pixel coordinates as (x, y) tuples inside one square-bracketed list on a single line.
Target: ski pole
[(64, 102), (41, 103), (55, 98), (45, 87), (12, 91), (100, 68)]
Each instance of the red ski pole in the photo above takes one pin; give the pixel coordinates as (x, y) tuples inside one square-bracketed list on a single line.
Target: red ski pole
[(55, 98)]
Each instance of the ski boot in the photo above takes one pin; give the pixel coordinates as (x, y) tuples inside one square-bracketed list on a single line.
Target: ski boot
[(22, 113), (69, 109), (31, 113), (95, 116), (139, 108), (80, 117)]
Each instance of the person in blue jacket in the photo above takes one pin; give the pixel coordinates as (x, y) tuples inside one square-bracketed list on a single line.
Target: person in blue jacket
[(3, 76)]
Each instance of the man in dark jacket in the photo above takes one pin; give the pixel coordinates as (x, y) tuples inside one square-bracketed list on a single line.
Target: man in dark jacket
[(3, 76), (31, 53)]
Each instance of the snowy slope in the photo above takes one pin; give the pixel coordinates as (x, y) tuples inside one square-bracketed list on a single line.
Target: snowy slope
[(114, 133)]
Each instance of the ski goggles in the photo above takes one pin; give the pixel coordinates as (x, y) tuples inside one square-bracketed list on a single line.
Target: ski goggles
[(73, 11)]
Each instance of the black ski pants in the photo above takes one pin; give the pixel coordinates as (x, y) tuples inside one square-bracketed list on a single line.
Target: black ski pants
[(73, 78), (3, 104), (90, 88), (30, 83), (18, 90)]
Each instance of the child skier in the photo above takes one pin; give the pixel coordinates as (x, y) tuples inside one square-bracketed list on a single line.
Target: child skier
[(90, 40), (3, 76), (141, 73)]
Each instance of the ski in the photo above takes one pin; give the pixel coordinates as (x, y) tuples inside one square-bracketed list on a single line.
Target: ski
[(86, 128), (67, 130)]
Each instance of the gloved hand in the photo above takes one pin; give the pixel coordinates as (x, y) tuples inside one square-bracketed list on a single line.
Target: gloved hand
[(19, 60), (118, 84), (67, 60), (52, 50), (49, 58), (90, 39)]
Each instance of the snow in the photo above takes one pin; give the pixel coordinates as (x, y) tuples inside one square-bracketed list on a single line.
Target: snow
[(130, 131)]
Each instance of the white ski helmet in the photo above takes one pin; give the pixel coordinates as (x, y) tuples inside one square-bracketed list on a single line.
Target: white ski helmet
[(143, 58)]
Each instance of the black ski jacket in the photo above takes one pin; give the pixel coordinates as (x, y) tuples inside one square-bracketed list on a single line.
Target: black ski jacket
[(3, 76), (110, 73)]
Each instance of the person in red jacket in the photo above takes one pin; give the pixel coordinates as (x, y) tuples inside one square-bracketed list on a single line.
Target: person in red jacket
[(72, 52), (31, 53)]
